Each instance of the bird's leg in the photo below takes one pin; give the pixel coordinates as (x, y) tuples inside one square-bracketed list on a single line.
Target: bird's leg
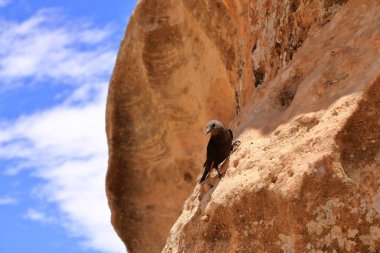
[(220, 175), (217, 170)]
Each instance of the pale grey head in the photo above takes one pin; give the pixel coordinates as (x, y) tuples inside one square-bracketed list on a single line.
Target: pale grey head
[(214, 126)]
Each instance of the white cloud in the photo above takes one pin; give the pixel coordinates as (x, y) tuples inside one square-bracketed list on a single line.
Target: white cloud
[(64, 145), (4, 3), (43, 47), (4, 201), (67, 147)]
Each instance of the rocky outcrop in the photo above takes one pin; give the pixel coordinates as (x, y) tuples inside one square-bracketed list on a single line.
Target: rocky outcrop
[(161, 93), (299, 83)]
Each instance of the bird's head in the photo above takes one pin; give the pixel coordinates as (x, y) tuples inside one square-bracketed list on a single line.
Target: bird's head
[(214, 126)]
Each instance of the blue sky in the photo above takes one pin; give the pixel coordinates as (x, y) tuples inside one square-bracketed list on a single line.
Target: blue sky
[(56, 58)]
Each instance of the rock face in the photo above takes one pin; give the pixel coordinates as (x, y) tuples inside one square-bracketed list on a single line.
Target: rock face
[(299, 83)]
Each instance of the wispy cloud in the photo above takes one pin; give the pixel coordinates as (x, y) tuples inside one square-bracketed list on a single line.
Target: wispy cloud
[(4, 201), (64, 145), (35, 215)]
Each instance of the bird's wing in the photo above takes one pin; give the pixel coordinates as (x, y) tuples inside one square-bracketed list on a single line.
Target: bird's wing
[(211, 149), (211, 154), (232, 135)]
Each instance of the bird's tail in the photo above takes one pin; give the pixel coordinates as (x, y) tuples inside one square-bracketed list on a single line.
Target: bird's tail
[(205, 173), (207, 168)]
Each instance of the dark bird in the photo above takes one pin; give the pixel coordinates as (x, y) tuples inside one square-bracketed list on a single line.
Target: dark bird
[(219, 147)]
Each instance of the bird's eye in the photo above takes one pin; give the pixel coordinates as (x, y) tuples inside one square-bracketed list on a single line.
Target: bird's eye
[(213, 125)]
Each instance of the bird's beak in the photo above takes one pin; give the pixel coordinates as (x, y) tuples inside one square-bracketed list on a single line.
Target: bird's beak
[(209, 129)]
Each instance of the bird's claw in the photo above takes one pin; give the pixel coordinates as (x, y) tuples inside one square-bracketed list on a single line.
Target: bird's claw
[(220, 175), (235, 146)]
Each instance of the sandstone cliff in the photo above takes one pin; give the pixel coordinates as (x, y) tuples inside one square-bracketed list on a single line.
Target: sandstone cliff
[(299, 83)]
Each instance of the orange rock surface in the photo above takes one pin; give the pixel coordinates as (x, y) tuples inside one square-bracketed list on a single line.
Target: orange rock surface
[(297, 81)]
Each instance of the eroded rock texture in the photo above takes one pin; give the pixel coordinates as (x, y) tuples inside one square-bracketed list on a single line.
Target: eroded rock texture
[(299, 83)]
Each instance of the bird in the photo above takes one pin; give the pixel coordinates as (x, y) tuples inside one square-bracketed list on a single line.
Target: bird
[(219, 147)]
